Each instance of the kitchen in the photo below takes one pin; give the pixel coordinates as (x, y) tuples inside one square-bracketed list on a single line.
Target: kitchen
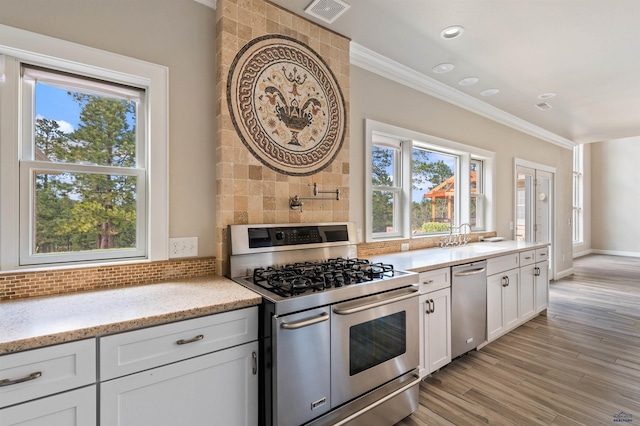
[(181, 36)]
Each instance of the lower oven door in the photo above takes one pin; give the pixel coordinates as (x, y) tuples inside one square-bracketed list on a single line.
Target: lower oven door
[(301, 388), (374, 340)]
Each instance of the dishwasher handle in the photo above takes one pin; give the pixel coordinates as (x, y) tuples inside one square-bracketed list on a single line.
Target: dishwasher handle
[(470, 272)]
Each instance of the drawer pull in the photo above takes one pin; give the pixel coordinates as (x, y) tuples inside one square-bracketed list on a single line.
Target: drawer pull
[(8, 382), (527, 257), (195, 339), (427, 282)]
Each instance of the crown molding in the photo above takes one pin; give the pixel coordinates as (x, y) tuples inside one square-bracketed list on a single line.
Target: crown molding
[(374, 62), (210, 3)]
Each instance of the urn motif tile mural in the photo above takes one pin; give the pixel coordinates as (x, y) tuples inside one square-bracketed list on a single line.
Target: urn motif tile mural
[(286, 105)]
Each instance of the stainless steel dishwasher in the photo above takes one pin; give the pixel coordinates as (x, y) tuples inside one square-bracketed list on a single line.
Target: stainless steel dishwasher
[(468, 307)]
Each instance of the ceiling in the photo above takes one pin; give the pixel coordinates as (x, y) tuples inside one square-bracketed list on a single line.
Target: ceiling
[(585, 51)]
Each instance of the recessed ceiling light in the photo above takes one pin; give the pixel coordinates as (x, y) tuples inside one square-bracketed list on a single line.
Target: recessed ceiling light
[(468, 81), (547, 95), (490, 92), (443, 68), (452, 32)]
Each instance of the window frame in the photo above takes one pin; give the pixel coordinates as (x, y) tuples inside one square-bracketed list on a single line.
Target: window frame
[(577, 234), (19, 46), (465, 153), (383, 141)]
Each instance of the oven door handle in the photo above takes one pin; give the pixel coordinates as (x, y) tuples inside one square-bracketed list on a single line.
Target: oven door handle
[(304, 323), (380, 401), (364, 306)]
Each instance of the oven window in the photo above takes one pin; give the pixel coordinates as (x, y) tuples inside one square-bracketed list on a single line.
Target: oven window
[(374, 342)]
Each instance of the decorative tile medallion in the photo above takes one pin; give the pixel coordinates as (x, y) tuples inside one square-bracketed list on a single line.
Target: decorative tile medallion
[(286, 105)]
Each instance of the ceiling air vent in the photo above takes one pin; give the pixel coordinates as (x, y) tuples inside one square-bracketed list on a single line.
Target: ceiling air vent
[(327, 10), (544, 106)]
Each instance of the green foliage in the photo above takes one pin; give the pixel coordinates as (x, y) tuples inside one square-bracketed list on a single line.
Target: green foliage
[(87, 211), (431, 227)]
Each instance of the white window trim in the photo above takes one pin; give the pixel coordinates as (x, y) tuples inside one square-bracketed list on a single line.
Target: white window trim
[(466, 152), (58, 54), (397, 189), (578, 198)]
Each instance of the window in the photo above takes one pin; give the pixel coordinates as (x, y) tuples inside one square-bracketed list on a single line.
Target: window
[(578, 171), (81, 180), (77, 156), (421, 185), (386, 186), (433, 192), (476, 185)]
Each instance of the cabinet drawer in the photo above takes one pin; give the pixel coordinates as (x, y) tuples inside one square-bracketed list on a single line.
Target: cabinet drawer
[(527, 257), (502, 263), (47, 371), (434, 280), (72, 408), (542, 254), (134, 351)]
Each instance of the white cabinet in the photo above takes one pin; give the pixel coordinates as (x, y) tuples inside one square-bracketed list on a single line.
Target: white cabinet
[(527, 301), (435, 320), (535, 283), (59, 376), (72, 408), (195, 372), (502, 302), (220, 388), (527, 291), (542, 285), (517, 290)]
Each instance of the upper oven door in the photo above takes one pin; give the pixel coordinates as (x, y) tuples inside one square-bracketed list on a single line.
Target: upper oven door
[(374, 340)]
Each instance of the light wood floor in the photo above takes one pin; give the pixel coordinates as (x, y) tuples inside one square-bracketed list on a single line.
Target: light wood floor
[(579, 365)]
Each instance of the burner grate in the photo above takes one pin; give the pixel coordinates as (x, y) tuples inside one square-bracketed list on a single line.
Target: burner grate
[(297, 278)]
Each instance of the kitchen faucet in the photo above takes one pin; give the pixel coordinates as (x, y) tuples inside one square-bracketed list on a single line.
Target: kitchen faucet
[(461, 238)]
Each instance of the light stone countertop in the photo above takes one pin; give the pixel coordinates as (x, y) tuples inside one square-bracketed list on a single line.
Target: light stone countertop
[(35, 322), (433, 258)]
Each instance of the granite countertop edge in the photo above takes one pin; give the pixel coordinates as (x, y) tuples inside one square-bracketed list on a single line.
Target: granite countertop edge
[(429, 259), (43, 321)]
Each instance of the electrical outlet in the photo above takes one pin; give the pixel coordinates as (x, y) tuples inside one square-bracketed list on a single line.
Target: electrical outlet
[(404, 246), (183, 247)]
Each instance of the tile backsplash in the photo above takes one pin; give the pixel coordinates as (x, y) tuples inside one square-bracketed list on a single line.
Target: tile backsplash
[(25, 284)]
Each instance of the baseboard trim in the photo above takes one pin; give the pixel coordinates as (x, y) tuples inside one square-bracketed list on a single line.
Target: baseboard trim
[(617, 253), (565, 273)]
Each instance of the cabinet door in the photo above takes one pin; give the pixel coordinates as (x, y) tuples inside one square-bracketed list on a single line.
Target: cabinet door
[(495, 323), (220, 388), (72, 408), (510, 298), (438, 330), (542, 286), (527, 291)]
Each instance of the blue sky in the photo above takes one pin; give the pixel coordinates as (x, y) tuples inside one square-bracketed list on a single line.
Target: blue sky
[(55, 104)]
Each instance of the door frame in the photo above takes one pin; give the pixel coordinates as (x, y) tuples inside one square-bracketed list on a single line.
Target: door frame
[(519, 162)]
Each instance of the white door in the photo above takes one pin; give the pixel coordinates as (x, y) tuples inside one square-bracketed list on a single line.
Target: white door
[(534, 200), (217, 389)]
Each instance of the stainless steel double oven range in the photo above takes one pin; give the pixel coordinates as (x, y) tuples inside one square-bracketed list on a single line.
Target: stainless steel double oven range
[(338, 335)]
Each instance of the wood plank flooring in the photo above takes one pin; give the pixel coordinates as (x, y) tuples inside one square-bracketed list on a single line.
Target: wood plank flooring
[(579, 365)]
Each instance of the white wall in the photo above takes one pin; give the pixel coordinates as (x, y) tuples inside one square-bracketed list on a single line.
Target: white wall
[(615, 204), (385, 101), (179, 34)]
